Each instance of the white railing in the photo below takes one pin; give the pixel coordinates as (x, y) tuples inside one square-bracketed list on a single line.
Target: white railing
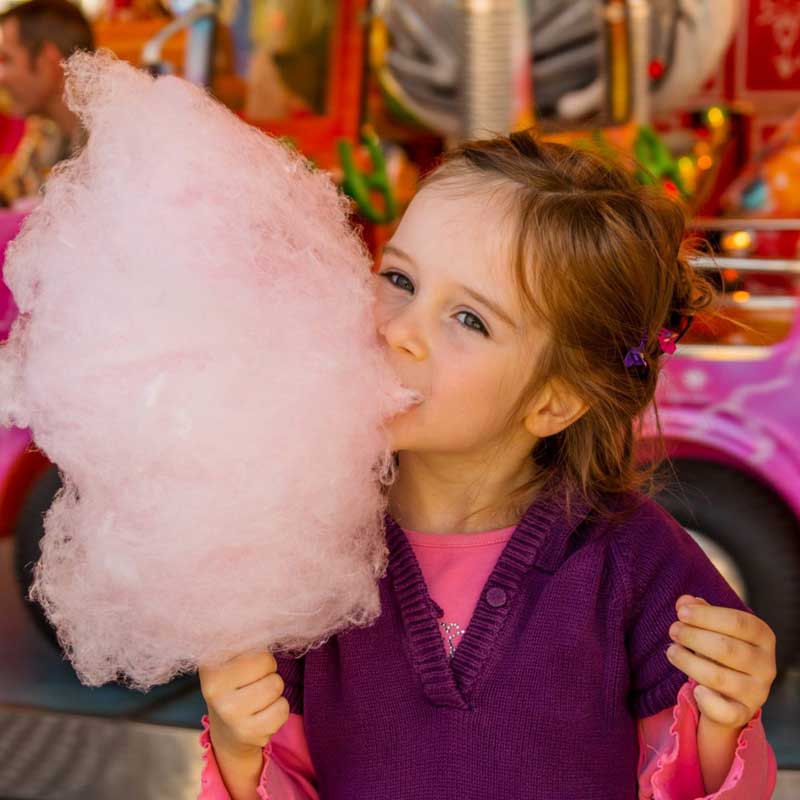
[(744, 224), (782, 266)]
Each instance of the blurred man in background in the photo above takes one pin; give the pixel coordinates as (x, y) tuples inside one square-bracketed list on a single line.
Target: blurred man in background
[(35, 38)]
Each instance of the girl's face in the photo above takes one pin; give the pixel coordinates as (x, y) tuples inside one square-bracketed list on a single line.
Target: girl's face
[(448, 315)]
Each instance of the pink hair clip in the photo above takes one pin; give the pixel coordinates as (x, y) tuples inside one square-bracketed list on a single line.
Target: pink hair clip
[(668, 339)]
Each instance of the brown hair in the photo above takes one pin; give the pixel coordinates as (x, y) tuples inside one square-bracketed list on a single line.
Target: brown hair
[(601, 260), (58, 21)]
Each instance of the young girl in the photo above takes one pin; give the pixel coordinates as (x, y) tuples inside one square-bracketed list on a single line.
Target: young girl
[(532, 592)]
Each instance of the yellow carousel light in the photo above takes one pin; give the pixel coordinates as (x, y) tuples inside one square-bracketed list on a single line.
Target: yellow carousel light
[(737, 241), (716, 117), (688, 173)]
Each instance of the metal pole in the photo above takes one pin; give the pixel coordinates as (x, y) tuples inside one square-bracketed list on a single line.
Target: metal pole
[(640, 49), (488, 66)]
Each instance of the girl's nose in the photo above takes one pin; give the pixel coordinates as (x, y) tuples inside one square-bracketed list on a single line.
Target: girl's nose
[(401, 334)]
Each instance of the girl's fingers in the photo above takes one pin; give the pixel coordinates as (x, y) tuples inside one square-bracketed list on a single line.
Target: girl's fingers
[(731, 684), (730, 621), (725, 650), (731, 655), (272, 718), (713, 705), (689, 599), (257, 696)]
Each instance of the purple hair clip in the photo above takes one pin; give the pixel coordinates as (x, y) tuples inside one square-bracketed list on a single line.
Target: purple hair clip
[(667, 341), (634, 358)]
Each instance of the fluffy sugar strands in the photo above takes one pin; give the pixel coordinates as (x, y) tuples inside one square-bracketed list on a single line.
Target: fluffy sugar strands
[(196, 351)]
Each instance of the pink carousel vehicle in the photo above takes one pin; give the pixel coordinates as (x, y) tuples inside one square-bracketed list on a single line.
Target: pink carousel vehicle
[(729, 407)]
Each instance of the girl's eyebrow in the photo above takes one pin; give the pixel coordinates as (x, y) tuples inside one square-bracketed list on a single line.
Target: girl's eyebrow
[(396, 251)]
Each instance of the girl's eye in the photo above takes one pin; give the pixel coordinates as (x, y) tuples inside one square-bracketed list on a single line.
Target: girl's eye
[(474, 323), (389, 275)]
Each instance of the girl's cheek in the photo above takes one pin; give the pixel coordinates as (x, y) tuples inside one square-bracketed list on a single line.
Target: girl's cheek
[(383, 307), (388, 301), (459, 343)]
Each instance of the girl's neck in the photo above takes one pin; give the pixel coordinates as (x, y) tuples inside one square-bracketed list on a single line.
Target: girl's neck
[(436, 495)]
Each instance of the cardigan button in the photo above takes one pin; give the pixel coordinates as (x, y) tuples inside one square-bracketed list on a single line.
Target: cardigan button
[(496, 597)]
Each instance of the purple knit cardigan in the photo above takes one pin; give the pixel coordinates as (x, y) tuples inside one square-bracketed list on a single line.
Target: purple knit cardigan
[(565, 650)]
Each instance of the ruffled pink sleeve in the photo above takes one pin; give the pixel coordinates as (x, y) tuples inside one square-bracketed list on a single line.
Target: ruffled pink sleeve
[(288, 773), (669, 766)]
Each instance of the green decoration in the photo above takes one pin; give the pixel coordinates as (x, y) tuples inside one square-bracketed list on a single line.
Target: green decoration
[(360, 184), (659, 163)]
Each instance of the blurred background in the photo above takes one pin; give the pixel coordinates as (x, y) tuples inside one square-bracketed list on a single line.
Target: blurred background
[(701, 96)]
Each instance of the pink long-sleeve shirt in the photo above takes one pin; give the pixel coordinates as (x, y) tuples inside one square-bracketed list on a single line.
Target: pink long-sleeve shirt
[(456, 568)]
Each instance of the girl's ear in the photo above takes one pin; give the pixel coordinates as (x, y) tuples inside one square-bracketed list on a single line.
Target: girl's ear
[(555, 407)]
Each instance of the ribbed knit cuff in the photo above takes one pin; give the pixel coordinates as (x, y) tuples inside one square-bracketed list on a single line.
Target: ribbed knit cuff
[(657, 698), (294, 694)]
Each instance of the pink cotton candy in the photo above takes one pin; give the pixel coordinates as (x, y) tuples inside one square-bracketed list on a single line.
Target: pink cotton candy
[(196, 351)]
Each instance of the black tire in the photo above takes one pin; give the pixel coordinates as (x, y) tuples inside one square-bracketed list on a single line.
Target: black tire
[(28, 531), (756, 528)]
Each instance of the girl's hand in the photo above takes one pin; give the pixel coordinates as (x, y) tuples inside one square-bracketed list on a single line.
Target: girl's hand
[(731, 655), (245, 703)]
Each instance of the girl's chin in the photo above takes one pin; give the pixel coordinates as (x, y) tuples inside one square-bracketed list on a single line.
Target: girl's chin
[(399, 429)]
